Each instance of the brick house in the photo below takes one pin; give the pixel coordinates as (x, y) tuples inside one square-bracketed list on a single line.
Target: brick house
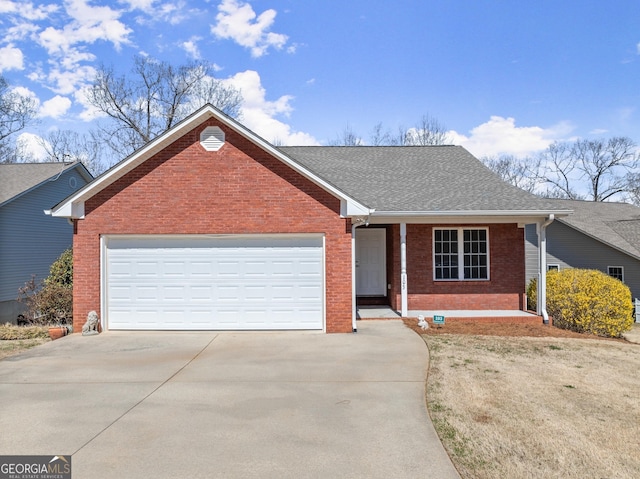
[(210, 226)]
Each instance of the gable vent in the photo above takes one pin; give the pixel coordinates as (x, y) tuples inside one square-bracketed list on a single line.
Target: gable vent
[(212, 138)]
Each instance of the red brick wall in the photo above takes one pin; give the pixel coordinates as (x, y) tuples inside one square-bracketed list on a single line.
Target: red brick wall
[(237, 190), (505, 289)]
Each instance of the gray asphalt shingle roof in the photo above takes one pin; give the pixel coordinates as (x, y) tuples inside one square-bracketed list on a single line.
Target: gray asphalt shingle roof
[(415, 178), (16, 178), (616, 224)]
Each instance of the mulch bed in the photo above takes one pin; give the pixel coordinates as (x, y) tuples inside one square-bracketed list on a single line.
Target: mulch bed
[(499, 329)]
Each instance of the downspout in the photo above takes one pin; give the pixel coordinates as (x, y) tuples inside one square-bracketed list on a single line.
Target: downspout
[(354, 310), (541, 308)]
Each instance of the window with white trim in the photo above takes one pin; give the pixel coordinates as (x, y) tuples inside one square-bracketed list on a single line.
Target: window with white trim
[(460, 254), (616, 272), (553, 267)]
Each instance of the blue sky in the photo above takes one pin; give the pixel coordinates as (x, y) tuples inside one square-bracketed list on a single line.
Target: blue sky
[(502, 76)]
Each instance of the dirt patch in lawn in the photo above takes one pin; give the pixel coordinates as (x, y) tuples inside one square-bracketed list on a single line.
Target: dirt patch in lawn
[(534, 401)]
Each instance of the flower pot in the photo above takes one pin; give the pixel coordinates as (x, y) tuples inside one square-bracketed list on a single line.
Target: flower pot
[(56, 332)]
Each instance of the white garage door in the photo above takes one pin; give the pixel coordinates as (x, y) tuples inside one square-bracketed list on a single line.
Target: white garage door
[(220, 283)]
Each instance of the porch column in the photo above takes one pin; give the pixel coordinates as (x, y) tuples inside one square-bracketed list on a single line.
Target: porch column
[(403, 270), (541, 307)]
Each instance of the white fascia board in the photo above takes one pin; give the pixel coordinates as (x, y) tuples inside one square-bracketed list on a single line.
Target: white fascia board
[(350, 209), (456, 217)]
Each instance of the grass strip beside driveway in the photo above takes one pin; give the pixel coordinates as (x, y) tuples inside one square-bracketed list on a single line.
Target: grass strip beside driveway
[(536, 407)]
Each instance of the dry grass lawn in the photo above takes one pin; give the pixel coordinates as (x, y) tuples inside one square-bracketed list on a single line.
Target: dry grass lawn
[(15, 346), (530, 407)]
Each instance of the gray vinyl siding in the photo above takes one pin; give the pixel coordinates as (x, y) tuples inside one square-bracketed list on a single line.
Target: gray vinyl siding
[(30, 240), (569, 248)]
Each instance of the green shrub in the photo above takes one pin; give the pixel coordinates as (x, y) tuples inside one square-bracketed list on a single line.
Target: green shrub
[(589, 301), (532, 295), (61, 271), (51, 301)]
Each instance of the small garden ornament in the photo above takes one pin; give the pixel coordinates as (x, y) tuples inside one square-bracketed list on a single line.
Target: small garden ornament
[(91, 326)]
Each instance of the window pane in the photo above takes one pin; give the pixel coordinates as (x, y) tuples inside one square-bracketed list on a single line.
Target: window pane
[(475, 254)]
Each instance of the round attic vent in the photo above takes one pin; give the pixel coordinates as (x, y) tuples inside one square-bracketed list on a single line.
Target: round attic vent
[(212, 138)]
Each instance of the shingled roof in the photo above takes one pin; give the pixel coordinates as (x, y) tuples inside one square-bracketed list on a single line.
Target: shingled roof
[(18, 178), (615, 224), (416, 179)]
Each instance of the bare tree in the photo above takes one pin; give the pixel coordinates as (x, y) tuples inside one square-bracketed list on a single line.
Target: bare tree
[(557, 171), (67, 145), (428, 132), (633, 187), (604, 166), (520, 172), (153, 98), (380, 136), (347, 137), (16, 112)]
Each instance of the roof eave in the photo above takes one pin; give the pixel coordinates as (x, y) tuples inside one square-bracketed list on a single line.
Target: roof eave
[(600, 240), (458, 216), (76, 165)]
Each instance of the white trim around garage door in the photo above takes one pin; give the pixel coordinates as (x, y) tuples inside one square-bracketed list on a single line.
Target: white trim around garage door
[(213, 282)]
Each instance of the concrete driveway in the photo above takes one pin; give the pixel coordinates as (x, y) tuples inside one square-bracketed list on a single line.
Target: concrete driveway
[(208, 404)]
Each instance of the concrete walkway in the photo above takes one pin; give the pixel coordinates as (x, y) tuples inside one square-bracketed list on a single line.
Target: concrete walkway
[(208, 404)]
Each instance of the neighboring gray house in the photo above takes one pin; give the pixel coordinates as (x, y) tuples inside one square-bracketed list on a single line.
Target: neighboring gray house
[(598, 235), (30, 240)]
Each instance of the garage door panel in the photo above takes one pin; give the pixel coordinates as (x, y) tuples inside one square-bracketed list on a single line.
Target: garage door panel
[(221, 283)]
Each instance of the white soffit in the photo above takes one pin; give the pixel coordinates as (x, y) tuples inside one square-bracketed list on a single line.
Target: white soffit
[(212, 138)]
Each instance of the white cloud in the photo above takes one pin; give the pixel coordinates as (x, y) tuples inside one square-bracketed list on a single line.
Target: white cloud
[(27, 10), (90, 112), (144, 5), (259, 114), (65, 82), (11, 58), (501, 136), (89, 24), (19, 31), (31, 144), (191, 47), (24, 91), (237, 21), (55, 107)]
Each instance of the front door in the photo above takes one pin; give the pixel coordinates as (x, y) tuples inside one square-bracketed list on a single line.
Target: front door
[(371, 262)]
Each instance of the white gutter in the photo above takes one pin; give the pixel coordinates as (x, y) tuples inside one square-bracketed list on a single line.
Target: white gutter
[(541, 307), (413, 214)]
